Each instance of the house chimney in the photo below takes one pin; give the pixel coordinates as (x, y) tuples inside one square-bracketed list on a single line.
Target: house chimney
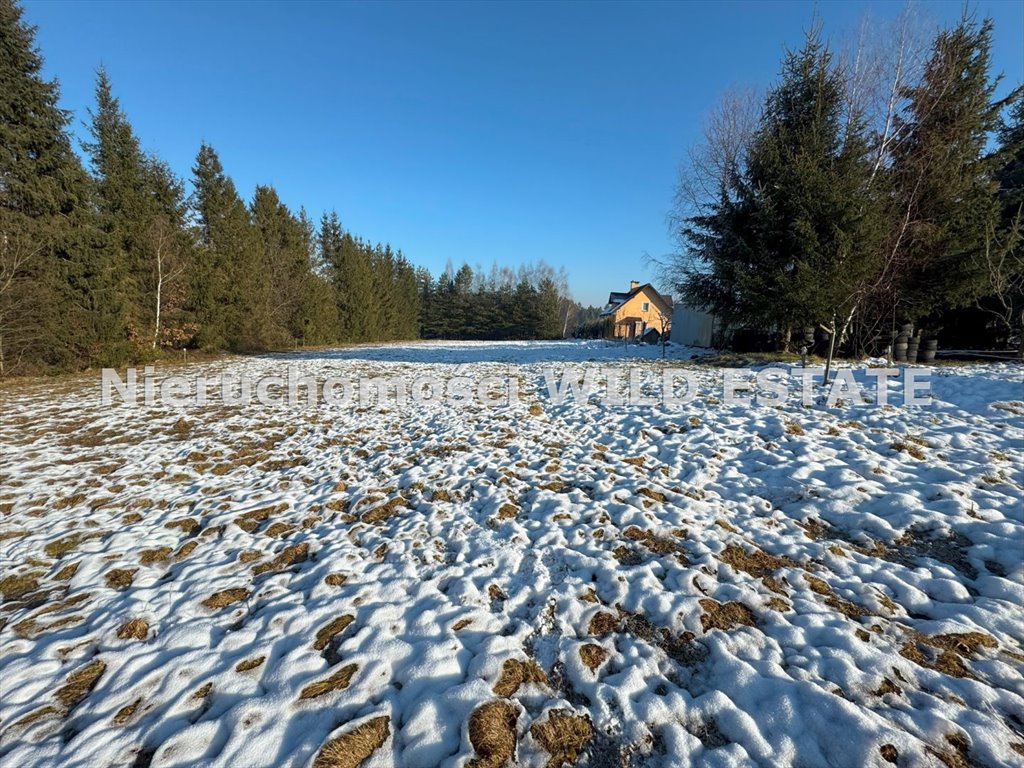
[(633, 285)]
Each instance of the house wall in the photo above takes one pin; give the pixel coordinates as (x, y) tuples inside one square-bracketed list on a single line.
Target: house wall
[(634, 308)]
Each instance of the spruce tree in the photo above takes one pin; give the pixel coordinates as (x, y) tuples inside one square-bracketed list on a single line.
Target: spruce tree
[(942, 177), (230, 288), (124, 214), (285, 260), (790, 237), (48, 255)]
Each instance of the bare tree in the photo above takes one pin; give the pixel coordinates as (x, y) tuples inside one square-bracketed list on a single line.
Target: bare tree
[(879, 62), (1002, 268), (709, 171), (167, 263), (18, 250), (665, 318)]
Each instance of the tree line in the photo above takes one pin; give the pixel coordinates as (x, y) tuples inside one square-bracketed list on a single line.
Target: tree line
[(111, 260), (503, 304), (875, 184)]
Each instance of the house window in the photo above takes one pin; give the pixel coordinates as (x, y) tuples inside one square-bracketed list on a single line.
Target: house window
[(647, 306)]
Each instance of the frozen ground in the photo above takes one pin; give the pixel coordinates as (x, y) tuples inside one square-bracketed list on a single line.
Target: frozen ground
[(540, 584)]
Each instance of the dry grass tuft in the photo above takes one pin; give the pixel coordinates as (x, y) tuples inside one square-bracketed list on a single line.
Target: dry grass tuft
[(185, 550), (336, 682), (758, 563), (627, 555), (225, 598), (124, 714), (156, 555), (246, 664), (250, 521), (496, 593), (382, 512), (658, 545), (288, 557), (792, 428), (335, 579), (202, 691), (563, 735), (278, 530), (186, 525), (133, 629), (61, 547), (652, 494), (906, 447), (965, 644), (68, 501), (725, 616), (492, 732), (79, 683), (959, 756), (327, 632), (461, 624), (65, 573), (889, 753), (602, 623), (352, 748), (507, 511), (536, 409), (947, 662), (778, 604), (845, 607), (120, 578), (593, 655), (248, 555), (944, 653), (515, 673), (887, 687), (34, 716), (16, 586)]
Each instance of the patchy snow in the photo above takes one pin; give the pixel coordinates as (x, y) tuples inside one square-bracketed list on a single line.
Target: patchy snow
[(711, 585)]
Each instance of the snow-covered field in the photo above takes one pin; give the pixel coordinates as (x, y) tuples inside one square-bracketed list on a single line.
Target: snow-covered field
[(442, 585)]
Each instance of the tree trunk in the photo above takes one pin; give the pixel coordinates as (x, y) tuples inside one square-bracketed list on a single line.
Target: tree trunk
[(159, 288), (831, 348)]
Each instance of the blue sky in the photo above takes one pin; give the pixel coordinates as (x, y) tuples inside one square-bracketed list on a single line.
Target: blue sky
[(483, 132)]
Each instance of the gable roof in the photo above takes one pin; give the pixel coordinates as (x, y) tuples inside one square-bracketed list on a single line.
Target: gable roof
[(617, 298)]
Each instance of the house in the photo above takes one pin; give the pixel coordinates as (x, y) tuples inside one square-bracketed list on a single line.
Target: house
[(632, 313)]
